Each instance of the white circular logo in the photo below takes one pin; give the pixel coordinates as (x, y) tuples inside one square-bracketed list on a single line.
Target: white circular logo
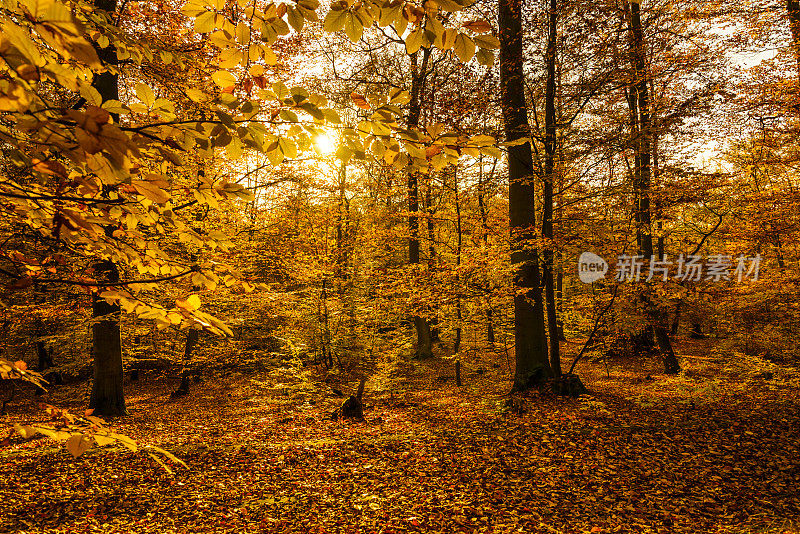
[(591, 267)]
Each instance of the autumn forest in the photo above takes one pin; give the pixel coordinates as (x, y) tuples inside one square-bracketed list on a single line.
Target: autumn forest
[(388, 266)]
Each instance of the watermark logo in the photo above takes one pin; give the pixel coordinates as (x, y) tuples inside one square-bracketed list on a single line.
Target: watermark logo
[(591, 267), (692, 267)]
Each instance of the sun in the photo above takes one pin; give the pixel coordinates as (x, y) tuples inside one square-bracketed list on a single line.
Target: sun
[(325, 144)]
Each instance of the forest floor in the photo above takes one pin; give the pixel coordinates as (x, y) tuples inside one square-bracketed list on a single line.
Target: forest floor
[(716, 449)]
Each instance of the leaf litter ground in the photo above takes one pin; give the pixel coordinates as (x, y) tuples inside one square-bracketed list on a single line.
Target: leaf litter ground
[(716, 449)]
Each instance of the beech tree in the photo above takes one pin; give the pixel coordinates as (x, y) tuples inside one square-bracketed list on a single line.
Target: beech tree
[(641, 134), (530, 342), (108, 397)]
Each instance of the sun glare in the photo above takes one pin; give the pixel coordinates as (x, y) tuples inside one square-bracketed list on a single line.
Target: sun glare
[(325, 144)]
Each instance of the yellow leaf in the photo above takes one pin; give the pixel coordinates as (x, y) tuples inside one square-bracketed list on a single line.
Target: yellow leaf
[(464, 47), (195, 95), (205, 23), (150, 191), (114, 106), (243, 33), (334, 21), (77, 444), (125, 440), (229, 58), (190, 304), (295, 18), (433, 25), (145, 94), (103, 440), (23, 43), (353, 27), (224, 79), (26, 431), (415, 40), (451, 5), (485, 57), (91, 95), (487, 41)]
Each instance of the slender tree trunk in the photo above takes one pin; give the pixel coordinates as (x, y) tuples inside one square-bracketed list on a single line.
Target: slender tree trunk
[(342, 216), (108, 397), (459, 316), (558, 199), (327, 349), (490, 337), (560, 297), (43, 355), (424, 341), (530, 340), (642, 183), (433, 323), (192, 337), (549, 175), (676, 321)]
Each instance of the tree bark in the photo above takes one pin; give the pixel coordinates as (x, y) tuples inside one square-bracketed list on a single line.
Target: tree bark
[(459, 243), (424, 341), (490, 337), (192, 337), (107, 398), (676, 321), (641, 130), (549, 175), (530, 341)]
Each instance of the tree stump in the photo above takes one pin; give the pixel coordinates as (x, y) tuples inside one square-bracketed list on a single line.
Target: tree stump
[(568, 385), (352, 408)]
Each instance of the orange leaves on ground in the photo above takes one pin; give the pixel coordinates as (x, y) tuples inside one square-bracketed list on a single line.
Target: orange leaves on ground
[(436, 459)]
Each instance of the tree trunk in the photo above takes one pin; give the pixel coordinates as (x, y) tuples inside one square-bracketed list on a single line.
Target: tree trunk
[(433, 323), (192, 337), (459, 244), (642, 142), (490, 337), (44, 356), (107, 398), (560, 298), (424, 341), (671, 365), (676, 321), (549, 175), (530, 341), (697, 331), (342, 232)]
